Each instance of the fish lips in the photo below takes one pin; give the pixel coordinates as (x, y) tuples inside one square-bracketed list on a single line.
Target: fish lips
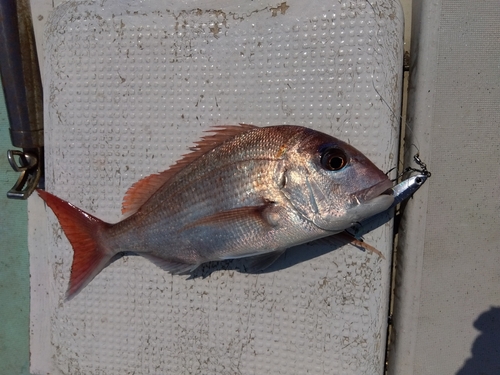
[(371, 201), (382, 188), (361, 205)]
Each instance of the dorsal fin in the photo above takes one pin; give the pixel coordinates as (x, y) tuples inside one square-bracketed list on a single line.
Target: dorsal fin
[(140, 191), (220, 134), (143, 189)]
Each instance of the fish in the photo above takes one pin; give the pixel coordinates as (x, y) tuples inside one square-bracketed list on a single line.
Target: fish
[(242, 192)]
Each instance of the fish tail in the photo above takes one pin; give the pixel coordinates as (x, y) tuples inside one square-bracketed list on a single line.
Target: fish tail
[(85, 233)]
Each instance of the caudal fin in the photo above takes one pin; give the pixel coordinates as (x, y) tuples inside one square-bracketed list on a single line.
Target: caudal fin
[(84, 232)]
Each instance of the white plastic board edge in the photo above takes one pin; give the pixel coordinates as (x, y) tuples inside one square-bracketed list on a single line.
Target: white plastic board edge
[(37, 225)]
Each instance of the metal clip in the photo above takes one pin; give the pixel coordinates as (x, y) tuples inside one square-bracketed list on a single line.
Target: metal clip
[(423, 167), (28, 164)]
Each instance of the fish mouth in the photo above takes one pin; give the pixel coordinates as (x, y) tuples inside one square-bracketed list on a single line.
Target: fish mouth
[(381, 188)]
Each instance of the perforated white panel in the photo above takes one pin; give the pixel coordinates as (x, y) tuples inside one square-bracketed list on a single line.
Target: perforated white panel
[(128, 89)]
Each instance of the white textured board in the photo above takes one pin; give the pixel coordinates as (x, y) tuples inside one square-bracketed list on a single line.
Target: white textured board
[(128, 88)]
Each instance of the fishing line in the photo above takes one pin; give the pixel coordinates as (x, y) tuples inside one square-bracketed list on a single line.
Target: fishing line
[(406, 149), (402, 120)]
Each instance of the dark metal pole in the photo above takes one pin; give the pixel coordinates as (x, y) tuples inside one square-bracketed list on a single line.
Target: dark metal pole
[(22, 87)]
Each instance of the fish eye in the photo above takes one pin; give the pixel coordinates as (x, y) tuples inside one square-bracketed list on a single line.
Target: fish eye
[(333, 159)]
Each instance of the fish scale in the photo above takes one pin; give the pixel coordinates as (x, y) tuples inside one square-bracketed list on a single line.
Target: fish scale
[(243, 192)]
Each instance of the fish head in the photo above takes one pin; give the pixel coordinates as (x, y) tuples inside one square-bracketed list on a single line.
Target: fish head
[(332, 184)]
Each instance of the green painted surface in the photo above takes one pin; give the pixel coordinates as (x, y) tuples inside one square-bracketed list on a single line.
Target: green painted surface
[(14, 266)]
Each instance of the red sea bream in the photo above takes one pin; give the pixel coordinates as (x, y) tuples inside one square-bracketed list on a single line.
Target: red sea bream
[(243, 192)]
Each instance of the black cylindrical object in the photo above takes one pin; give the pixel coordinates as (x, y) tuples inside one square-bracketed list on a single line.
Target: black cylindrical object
[(20, 74)]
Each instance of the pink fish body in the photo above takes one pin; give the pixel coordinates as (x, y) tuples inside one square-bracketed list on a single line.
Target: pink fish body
[(244, 191)]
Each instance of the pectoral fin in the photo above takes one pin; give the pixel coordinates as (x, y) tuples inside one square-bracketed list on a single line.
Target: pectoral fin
[(264, 216)]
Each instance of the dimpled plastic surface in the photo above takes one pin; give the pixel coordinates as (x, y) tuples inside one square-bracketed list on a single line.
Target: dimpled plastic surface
[(128, 89)]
